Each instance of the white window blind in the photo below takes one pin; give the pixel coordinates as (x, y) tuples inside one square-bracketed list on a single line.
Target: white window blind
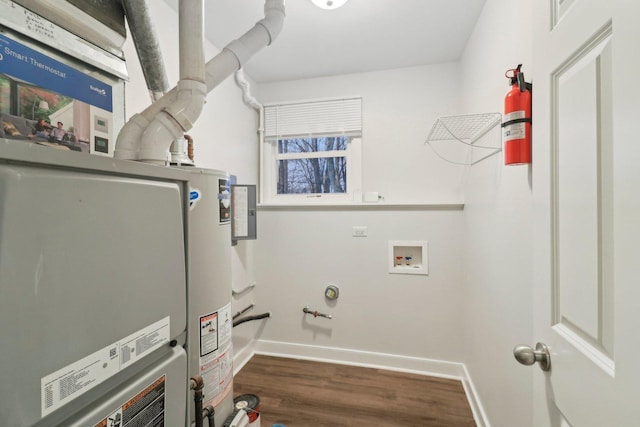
[(329, 117)]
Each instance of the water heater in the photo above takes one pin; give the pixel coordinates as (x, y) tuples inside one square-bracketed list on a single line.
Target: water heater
[(209, 288)]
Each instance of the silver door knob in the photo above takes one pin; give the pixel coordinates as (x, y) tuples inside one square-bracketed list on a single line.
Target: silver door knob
[(528, 356)]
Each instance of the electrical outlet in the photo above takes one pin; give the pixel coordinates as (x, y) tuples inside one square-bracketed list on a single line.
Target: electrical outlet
[(359, 231)]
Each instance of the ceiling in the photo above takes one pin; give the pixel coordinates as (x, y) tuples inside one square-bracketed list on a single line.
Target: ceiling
[(361, 36)]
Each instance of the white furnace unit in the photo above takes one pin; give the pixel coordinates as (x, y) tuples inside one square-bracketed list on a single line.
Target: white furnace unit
[(93, 280)]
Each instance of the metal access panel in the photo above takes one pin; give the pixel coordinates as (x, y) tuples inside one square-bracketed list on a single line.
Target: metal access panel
[(92, 277), (243, 212)]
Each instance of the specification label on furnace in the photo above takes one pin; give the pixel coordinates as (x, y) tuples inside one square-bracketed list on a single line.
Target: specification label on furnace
[(73, 380)]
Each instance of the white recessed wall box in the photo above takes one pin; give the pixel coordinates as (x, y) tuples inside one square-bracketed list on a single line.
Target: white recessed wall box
[(408, 257)]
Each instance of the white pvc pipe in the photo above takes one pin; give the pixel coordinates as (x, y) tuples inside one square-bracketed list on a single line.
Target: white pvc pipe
[(179, 116), (256, 105), (148, 135), (251, 102), (191, 39)]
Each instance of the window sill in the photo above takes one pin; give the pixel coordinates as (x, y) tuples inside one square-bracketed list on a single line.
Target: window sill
[(364, 206)]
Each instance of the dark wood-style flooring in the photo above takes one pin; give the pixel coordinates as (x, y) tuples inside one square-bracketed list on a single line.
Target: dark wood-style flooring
[(304, 393)]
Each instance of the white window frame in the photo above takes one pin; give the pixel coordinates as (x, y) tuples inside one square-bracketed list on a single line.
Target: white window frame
[(314, 126)]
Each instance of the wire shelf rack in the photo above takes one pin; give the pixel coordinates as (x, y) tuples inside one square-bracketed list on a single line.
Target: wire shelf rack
[(466, 129)]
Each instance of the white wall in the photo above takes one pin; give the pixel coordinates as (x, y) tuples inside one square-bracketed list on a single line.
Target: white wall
[(300, 251), (399, 109), (225, 135), (498, 204)]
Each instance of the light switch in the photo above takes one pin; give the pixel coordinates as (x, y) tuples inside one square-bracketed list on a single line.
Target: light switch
[(359, 231)]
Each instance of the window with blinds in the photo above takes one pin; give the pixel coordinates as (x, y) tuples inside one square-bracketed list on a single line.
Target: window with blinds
[(317, 118), (312, 151)]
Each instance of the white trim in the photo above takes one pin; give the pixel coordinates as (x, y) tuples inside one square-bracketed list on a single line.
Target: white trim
[(367, 359), (366, 206), (243, 356), (311, 155), (269, 176), (479, 415)]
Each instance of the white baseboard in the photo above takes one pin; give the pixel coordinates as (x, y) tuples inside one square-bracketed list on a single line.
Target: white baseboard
[(240, 358), (479, 415), (415, 365)]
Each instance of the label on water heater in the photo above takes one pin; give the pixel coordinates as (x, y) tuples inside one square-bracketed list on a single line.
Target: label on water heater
[(208, 334), (514, 130), (217, 375), (215, 363)]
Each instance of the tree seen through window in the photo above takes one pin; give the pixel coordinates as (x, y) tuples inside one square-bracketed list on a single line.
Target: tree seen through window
[(312, 165)]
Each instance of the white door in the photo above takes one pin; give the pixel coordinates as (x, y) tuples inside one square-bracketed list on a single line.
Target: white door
[(586, 185)]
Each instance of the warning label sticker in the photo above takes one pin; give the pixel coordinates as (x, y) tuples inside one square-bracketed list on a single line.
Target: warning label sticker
[(217, 374), (215, 330), (216, 363), (144, 409), (208, 334), (70, 382)]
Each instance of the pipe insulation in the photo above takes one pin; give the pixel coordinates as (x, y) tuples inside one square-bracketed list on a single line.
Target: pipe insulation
[(251, 318), (148, 135), (147, 47)]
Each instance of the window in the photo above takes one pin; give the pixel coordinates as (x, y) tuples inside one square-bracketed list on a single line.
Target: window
[(312, 165), (311, 152)]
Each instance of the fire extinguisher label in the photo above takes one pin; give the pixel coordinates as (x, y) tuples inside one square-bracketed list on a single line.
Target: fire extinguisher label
[(514, 130), (513, 116)]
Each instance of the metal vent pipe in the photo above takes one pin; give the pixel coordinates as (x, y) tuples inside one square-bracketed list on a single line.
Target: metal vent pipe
[(147, 47)]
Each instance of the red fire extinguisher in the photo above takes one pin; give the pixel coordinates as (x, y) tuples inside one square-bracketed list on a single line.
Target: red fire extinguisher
[(516, 125)]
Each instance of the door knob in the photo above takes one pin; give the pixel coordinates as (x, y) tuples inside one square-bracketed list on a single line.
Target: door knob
[(528, 356)]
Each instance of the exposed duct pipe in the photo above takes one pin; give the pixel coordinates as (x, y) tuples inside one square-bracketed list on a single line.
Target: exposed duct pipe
[(148, 135), (147, 47)]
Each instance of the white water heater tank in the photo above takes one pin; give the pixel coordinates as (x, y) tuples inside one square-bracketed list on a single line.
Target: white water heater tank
[(209, 289)]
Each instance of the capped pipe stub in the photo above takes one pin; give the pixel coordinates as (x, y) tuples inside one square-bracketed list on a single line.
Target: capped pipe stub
[(178, 150), (332, 292)]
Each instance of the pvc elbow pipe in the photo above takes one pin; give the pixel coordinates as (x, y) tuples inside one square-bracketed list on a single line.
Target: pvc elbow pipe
[(188, 106), (127, 143), (129, 136), (171, 124), (273, 21), (262, 34), (157, 138)]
